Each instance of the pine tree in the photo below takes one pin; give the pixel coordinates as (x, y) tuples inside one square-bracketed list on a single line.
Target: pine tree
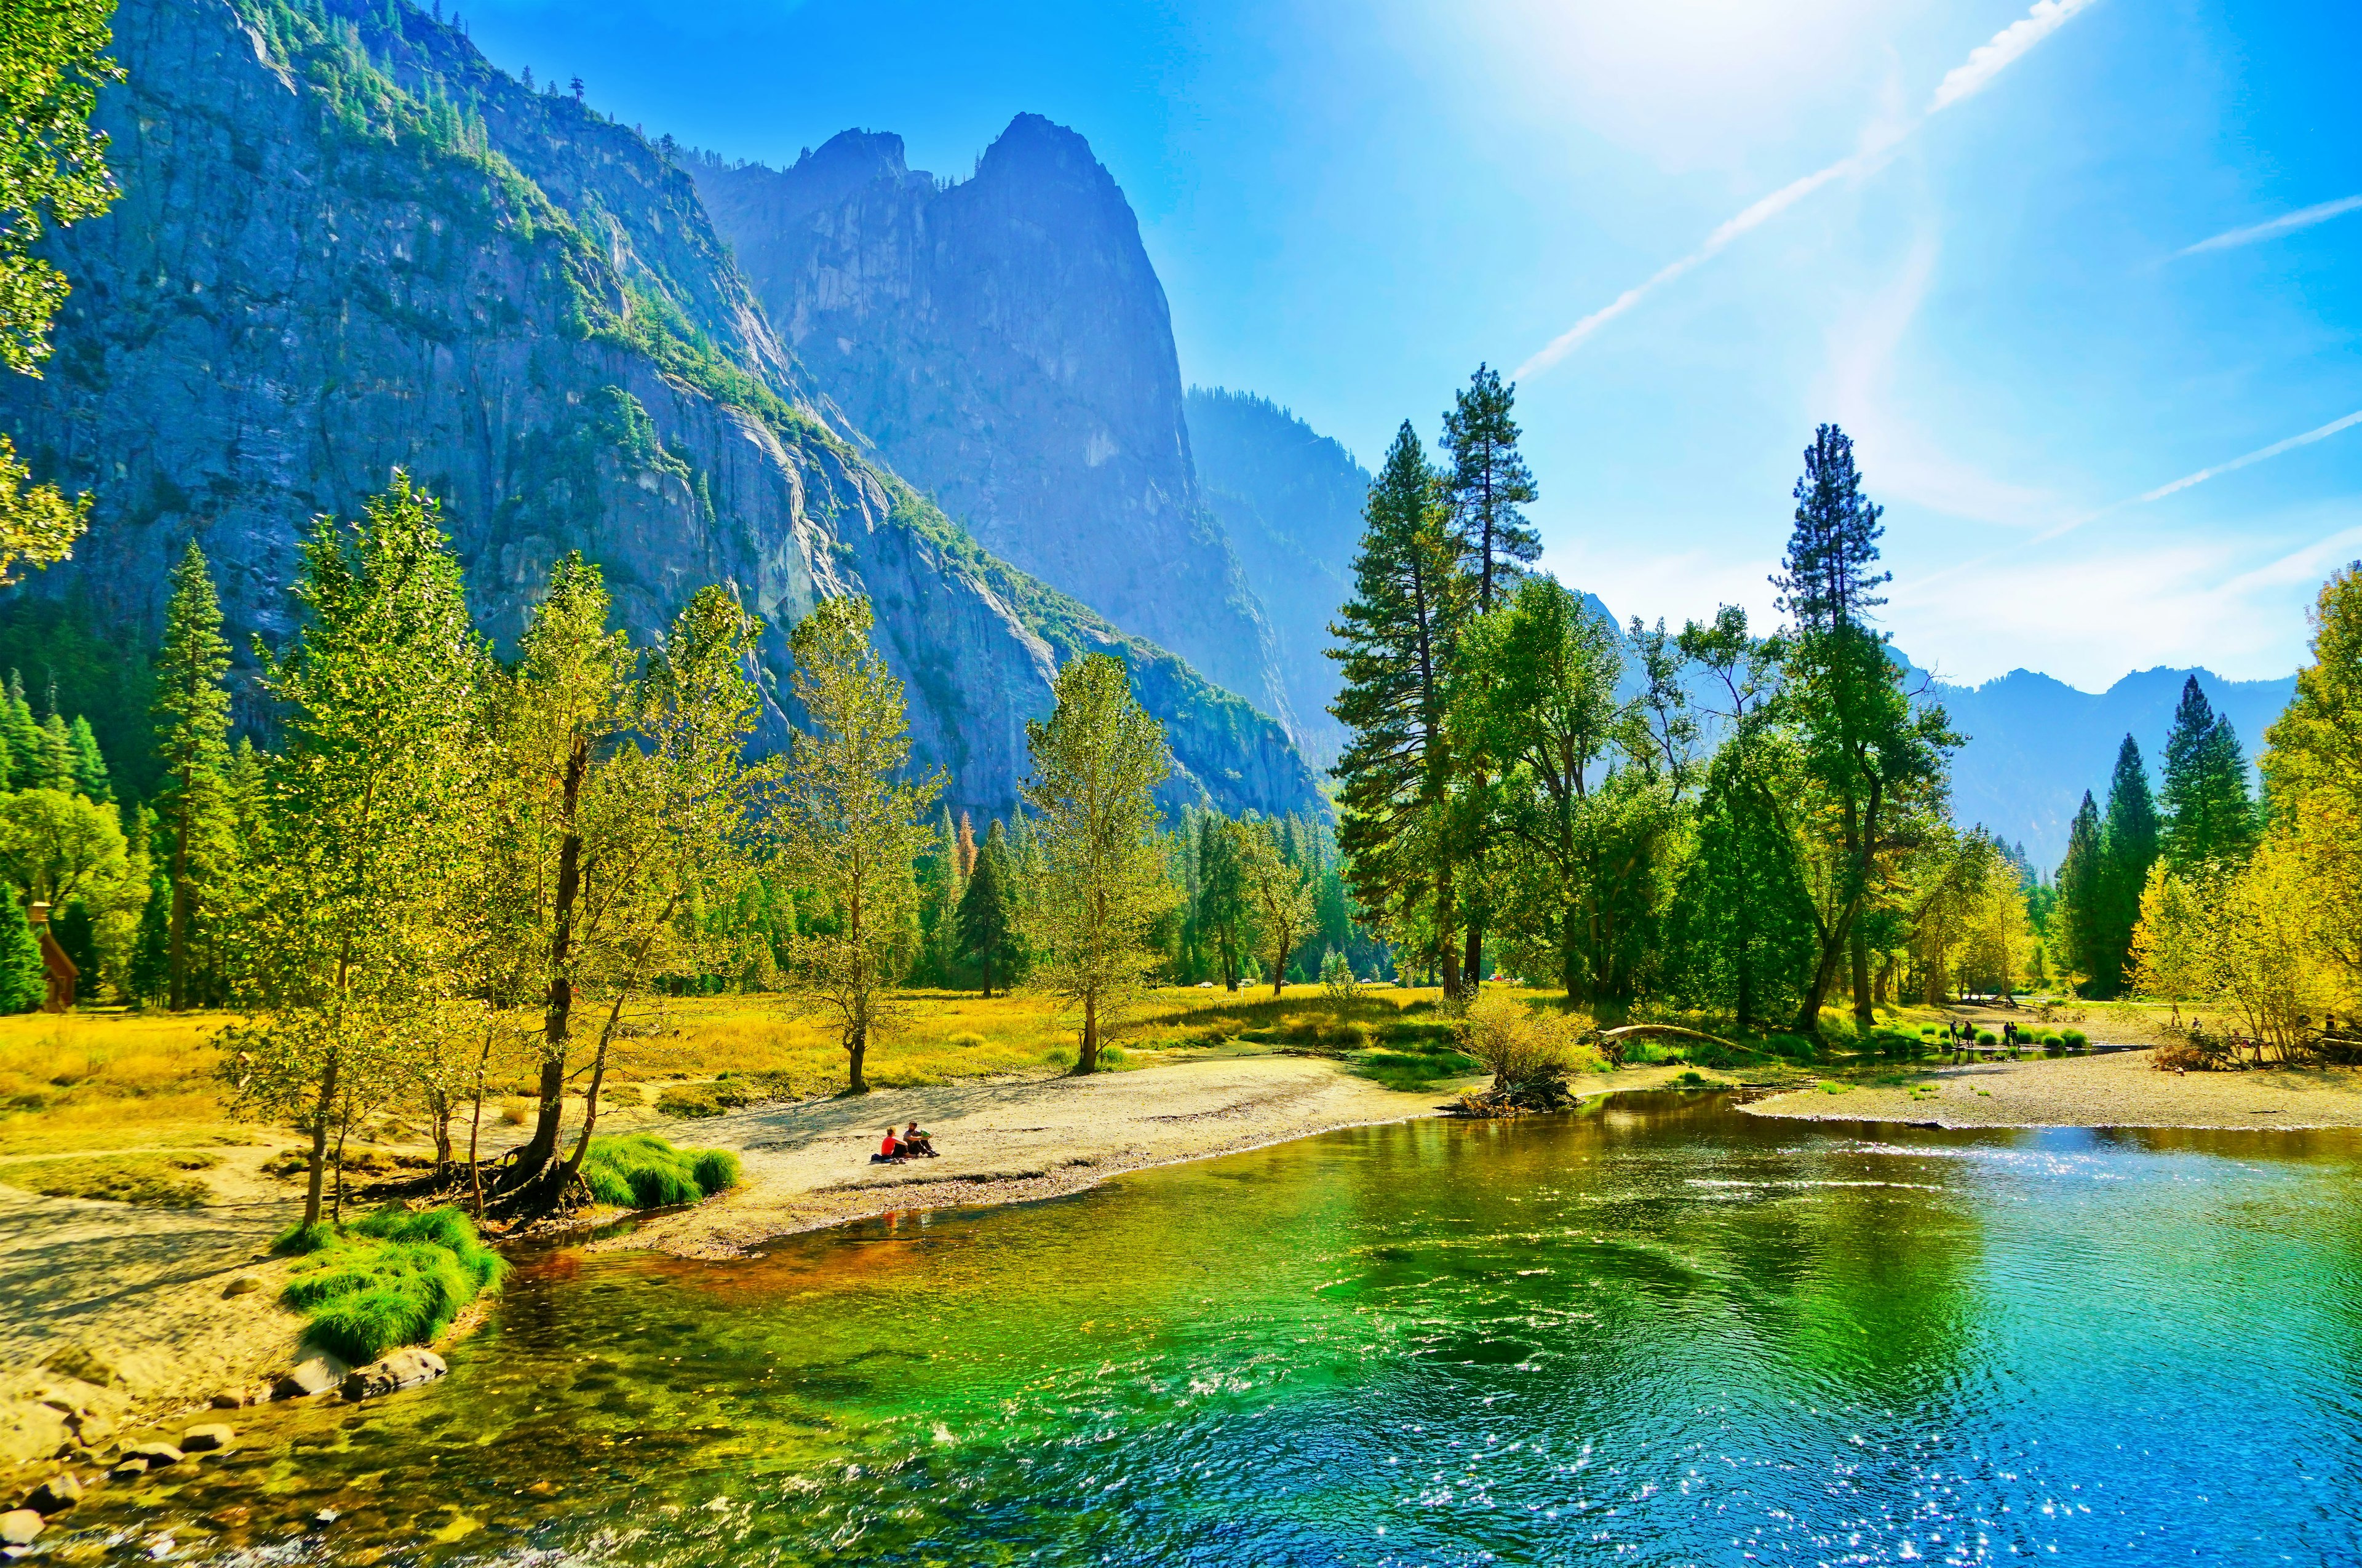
[(24, 979), (22, 733), (1489, 482), (2078, 925), (89, 763), (57, 759), (965, 849), (1827, 580), (2209, 812), (1877, 760), (1397, 642), (192, 718), (1221, 893), (2130, 837), (987, 907)]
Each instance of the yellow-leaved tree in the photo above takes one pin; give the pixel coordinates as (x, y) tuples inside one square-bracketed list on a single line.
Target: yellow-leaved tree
[(1099, 881), (2313, 773)]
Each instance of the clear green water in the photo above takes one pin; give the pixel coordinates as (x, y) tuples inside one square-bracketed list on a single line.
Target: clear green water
[(1660, 1333)]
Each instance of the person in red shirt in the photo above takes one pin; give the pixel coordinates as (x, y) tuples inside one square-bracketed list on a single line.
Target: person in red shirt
[(891, 1149)]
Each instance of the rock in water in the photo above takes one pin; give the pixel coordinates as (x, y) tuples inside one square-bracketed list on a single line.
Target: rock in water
[(128, 1470), (19, 1528), (211, 1438), (56, 1495), (406, 1368), (313, 1375), (158, 1454)]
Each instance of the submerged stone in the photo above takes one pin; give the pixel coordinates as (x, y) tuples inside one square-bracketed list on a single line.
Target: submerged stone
[(406, 1368)]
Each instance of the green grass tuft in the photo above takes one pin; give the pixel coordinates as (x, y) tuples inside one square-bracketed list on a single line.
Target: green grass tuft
[(1413, 1072), (640, 1170), (391, 1278)]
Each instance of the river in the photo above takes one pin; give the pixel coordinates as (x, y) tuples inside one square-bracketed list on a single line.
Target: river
[(1661, 1332)]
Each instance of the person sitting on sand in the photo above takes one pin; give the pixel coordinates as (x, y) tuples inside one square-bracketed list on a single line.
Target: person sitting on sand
[(916, 1143), (889, 1152)]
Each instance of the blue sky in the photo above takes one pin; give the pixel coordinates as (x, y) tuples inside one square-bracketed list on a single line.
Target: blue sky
[(2037, 262)]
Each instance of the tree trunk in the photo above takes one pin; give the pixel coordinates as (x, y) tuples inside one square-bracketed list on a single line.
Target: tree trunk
[(438, 1107), (320, 1145), (1570, 961), (1088, 1061), (1472, 965), (1865, 1001), (1279, 972), (988, 973), (343, 1131), (856, 1046), (558, 1019)]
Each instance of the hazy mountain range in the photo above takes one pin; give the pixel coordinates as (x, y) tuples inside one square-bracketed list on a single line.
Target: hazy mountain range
[(352, 243)]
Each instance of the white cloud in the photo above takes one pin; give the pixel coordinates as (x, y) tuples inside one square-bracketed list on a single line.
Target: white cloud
[(1988, 59), (1983, 64), (2124, 604), (2287, 223), (2274, 450)]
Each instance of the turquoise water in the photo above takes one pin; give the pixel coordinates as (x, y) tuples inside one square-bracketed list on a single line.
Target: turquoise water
[(1662, 1333)]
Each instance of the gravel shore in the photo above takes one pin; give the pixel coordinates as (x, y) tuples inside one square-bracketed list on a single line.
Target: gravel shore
[(2118, 1090), (1014, 1141)]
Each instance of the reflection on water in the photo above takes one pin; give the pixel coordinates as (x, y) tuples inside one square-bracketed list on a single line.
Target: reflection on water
[(1658, 1332)]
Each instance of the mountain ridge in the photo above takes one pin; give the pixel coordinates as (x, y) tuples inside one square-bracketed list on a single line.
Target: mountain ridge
[(329, 260)]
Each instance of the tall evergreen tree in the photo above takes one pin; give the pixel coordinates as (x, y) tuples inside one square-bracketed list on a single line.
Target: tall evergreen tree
[(89, 776), (1221, 912), (1398, 639), (2079, 924), (192, 717), (987, 913), (1489, 484), (2209, 812), (1827, 579), (22, 733), (2130, 837), (1877, 760), (56, 768)]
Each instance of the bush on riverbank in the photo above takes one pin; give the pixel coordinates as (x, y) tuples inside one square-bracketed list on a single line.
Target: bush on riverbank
[(391, 1278), (640, 1170)]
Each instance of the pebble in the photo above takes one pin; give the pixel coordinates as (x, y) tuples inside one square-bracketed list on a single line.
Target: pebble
[(56, 1495), (211, 1438), (244, 1284), (313, 1375), (19, 1528), (128, 1470), (157, 1454)]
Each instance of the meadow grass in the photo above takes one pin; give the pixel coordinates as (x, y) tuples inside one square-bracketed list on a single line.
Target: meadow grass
[(640, 1170), (107, 1079), (151, 1181), (390, 1279)]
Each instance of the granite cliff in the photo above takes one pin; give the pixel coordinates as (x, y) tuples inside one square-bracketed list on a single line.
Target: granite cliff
[(1004, 344), (1290, 499), (346, 243)]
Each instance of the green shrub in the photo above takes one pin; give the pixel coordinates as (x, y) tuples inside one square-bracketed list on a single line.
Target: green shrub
[(300, 1239), (390, 1279), (2074, 1039), (640, 1170), (1794, 1047), (1692, 1077), (2052, 1040), (1987, 1037)]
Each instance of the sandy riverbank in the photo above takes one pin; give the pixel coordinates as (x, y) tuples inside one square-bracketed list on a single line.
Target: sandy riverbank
[(1010, 1141), (2118, 1090)]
